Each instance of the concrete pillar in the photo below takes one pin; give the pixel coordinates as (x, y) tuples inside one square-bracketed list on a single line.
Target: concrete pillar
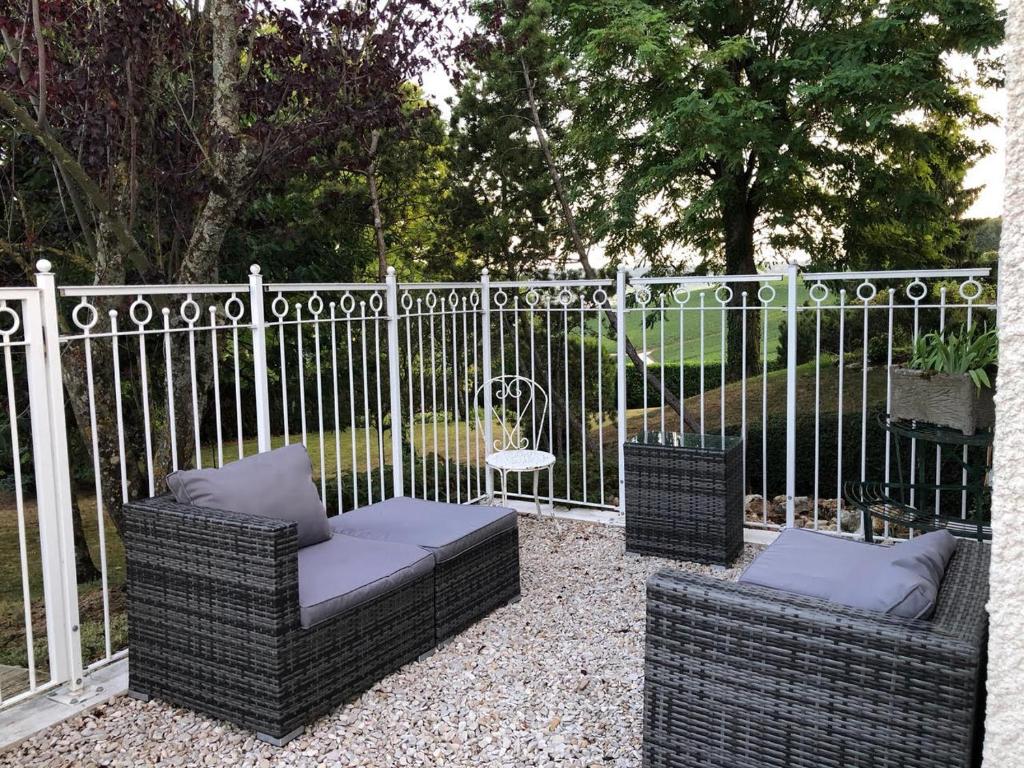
[(1004, 744)]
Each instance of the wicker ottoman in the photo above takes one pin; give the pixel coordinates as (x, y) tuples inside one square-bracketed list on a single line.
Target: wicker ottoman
[(684, 496)]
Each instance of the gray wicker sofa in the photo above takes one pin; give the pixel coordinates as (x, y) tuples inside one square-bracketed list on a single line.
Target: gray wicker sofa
[(227, 616), (742, 676)]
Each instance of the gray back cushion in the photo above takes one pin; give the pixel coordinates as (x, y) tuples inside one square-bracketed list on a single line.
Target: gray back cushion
[(902, 580), (277, 484)]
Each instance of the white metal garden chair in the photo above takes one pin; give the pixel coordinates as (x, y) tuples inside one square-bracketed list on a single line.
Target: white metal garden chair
[(518, 408)]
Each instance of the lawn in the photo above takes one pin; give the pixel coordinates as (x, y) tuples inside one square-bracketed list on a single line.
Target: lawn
[(669, 350)]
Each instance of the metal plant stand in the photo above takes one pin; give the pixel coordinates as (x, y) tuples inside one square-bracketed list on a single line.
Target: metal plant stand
[(929, 500), (684, 496)]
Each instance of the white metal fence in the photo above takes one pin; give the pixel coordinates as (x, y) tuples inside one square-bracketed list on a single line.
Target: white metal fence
[(379, 381)]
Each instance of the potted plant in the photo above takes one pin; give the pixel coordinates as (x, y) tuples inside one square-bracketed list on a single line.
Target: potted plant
[(948, 380)]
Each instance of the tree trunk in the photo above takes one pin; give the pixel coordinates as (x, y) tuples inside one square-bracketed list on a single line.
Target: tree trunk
[(378, 218), (668, 397), (739, 217), (85, 570)]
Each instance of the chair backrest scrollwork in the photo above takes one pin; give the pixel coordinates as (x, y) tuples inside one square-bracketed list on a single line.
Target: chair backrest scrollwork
[(519, 407)]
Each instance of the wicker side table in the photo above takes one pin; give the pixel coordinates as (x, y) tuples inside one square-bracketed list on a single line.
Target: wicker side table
[(684, 496)]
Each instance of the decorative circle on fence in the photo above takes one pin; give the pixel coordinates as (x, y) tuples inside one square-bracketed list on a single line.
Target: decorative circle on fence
[(643, 295), (566, 297), (723, 290), (682, 294), (453, 299), (912, 290), (140, 302), (315, 304), (279, 307), (406, 301), (190, 310), (474, 299), (532, 298), (234, 308), (14, 321), (976, 289), (766, 294), (868, 295), (818, 292), (347, 303), (600, 297), (376, 303), (430, 300), (76, 316)]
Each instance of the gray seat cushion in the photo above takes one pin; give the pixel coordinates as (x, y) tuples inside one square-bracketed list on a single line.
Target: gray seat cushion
[(344, 572), (277, 484), (902, 580), (447, 530)]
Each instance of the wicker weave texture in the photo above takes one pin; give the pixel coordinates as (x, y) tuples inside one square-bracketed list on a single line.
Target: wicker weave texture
[(213, 621), (738, 676), (476, 582), (684, 503)]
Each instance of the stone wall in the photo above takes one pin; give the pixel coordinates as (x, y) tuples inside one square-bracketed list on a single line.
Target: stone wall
[(1004, 745)]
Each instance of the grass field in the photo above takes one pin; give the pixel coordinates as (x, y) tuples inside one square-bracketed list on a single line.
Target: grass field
[(668, 349)]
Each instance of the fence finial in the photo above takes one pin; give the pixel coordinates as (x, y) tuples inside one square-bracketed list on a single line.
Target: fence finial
[(43, 266), (391, 269), (254, 269)]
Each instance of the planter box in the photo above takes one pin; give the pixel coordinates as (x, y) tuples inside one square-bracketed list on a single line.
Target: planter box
[(684, 496), (945, 399)]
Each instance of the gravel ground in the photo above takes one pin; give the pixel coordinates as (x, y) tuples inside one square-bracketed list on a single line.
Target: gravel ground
[(554, 680)]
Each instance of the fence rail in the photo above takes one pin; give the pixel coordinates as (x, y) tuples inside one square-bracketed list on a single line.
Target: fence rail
[(384, 385)]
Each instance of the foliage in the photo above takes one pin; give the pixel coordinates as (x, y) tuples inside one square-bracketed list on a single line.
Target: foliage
[(691, 376), (721, 131), (965, 350)]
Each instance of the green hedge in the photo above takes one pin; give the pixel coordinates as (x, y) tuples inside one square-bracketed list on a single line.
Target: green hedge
[(691, 378)]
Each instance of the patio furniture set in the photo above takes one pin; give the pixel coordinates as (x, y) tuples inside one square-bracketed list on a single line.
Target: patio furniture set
[(246, 602)]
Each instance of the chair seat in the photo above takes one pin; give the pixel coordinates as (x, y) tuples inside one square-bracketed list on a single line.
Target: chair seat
[(520, 460), (344, 572), (445, 530)]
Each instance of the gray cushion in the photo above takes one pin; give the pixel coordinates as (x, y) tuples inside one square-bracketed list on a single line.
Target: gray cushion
[(343, 572), (277, 484), (446, 530), (902, 580)]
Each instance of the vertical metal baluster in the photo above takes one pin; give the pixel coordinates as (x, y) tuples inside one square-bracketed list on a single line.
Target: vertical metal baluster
[(19, 499), (301, 373), (169, 377), (599, 312), (938, 449), (453, 303), (433, 396), (764, 398), (963, 457), (477, 321), (191, 319), (423, 389), (583, 389), (335, 373), (380, 397), (366, 402), (319, 390), (817, 408), (839, 439), (144, 394), (913, 443), (515, 346), (412, 408), (465, 396), (721, 371), (888, 398), (215, 362), (703, 431), (285, 404), (444, 400), (864, 390), (743, 391), (565, 387), (661, 350), (348, 308), (115, 354), (238, 375), (101, 523), (551, 414), (643, 359)]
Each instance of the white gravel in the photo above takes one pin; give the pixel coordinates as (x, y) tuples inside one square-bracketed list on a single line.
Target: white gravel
[(554, 680)]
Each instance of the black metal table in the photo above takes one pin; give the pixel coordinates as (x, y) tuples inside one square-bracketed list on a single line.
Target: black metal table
[(928, 500)]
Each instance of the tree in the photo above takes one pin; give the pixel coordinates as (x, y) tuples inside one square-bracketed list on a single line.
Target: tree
[(148, 125), (732, 132)]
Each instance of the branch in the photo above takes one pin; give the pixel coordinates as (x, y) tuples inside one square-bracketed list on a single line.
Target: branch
[(76, 173)]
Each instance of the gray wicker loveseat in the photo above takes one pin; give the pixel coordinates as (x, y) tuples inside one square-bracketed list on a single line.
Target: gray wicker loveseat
[(229, 616), (743, 676)]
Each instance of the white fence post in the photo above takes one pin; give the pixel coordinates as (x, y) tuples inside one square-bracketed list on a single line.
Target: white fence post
[(792, 275), (620, 371), (259, 358), (394, 380), (485, 304), (53, 481)]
